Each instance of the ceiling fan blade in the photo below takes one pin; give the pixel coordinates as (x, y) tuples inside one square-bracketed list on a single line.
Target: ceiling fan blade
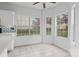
[(53, 2), (44, 5), (36, 3)]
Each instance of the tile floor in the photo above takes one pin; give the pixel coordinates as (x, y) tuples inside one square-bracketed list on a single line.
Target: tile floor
[(38, 50)]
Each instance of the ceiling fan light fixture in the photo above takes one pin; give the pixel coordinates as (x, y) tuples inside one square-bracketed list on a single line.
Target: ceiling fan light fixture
[(53, 2), (36, 3), (44, 4)]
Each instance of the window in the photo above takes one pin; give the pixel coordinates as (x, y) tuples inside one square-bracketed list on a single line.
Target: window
[(22, 25), (35, 26), (48, 25), (28, 25), (62, 25)]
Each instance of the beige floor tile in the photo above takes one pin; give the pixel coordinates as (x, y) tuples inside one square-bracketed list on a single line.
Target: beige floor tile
[(38, 50)]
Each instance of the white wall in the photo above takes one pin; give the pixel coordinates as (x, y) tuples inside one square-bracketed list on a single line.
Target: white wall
[(60, 8), (76, 25), (75, 50), (47, 38), (27, 12), (61, 42), (6, 17)]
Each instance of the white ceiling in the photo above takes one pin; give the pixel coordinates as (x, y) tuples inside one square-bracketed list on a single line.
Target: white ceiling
[(37, 6)]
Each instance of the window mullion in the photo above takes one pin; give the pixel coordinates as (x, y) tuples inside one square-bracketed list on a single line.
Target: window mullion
[(29, 25)]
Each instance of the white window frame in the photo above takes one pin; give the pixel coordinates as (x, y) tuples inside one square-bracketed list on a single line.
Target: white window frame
[(29, 25), (45, 25), (40, 25), (72, 29), (56, 24)]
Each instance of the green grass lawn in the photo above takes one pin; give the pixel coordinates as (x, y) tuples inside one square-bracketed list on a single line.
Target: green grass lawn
[(63, 33), (48, 31), (22, 32)]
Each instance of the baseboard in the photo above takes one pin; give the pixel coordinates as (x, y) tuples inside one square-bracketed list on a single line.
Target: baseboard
[(27, 45), (59, 47)]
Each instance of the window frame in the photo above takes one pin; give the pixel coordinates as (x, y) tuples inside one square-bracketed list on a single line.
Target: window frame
[(39, 25), (46, 26), (21, 24), (56, 34), (30, 17)]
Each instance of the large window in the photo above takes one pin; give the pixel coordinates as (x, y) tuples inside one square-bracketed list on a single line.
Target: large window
[(22, 25), (48, 25), (35, 25), (62, 25), (27, 25)]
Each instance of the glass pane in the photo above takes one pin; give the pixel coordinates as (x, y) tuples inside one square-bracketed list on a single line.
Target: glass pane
[(48, 25), (22, 31), (35, 26), (22, 25), (19, 31), (62, 25)]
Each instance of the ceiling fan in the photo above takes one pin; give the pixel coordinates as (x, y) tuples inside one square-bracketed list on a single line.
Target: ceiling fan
[(44, 4)]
